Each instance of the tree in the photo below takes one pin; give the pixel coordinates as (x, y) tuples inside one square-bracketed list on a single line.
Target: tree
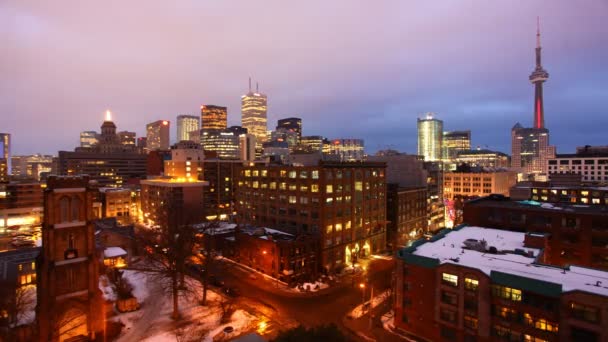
[(319, 333), (168, 252), (17, 304)]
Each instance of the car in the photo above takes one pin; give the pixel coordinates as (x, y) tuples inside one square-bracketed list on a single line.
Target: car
[(232, 292), (215, 281)]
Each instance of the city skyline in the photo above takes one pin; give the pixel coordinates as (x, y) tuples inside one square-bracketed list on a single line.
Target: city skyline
[(323, 84)]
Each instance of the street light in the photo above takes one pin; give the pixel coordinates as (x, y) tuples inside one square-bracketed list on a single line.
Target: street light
[(362, 287)]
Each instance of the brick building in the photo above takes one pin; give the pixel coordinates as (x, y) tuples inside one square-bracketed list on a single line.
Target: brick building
[(480, 284), (579, 233), (406, 212), (343, 204), (69, 299), (20, 203)]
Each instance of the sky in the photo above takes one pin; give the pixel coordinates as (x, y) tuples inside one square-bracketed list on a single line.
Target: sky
[(349, 69)]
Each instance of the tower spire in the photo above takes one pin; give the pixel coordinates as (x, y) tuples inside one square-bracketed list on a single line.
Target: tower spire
[(250, 84), (538, 32), (538, 77)]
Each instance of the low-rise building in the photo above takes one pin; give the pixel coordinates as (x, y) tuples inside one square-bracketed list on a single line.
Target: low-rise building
[(590, 162), (477, 184), (406, 212), (481, 284)]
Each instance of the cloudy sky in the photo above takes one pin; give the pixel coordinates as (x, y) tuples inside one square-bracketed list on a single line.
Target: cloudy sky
[(363, 69)]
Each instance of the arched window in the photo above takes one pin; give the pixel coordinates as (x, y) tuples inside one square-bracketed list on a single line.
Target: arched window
[(75, 209), (64, 209)]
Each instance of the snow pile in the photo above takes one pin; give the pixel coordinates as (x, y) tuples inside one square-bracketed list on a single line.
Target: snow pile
[(139, 281), (240, 321), (377, 300), (312, 287), (112, 252), (106, 288)]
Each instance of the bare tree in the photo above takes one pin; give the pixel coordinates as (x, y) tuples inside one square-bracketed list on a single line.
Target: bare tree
[(17, 303), (168, 252)]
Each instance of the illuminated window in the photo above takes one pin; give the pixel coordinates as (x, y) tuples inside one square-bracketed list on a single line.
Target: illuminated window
[(292, 174), (314, 188), (273, 185), (283, 186), (471, 284), (33, 265), (358, 186), (530, 338), (470, 322), (329, 229), (303, 188), (293, 187), (449, 279), (293, 199), (303, 174), (329, 200), (506, 293), (585, 313), (315, 174), (347, 225), (338, 227), (247, 173), (329, 189), (255, 173)]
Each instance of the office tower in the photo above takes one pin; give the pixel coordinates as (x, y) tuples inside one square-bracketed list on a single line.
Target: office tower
[(224, 143), (157, 135), (312, 143), (253, 111), (185, 125), (127, 138), (88, 138), (5, 158), (31, 166), (186, 161), (454, 142), (347, 149), (285, 135), (109, 162), (69, 305), (590, 162), (292, 125), (214, 117), (430, 137), (237, 130), (483, 158), (530, 146)]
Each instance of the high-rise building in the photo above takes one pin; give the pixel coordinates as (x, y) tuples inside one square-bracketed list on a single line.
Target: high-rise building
[(591, 162), (127, 138), (88, 138), (222, 142), (254, 106), (186, 161), (483, 158), (31, 166), (347, 149), (530, 146), (247, 147), (69, 300), (312, 143), (430, 137), (5, 158), (292, 125), (454, 142), (214, 117), (185, 125), (158, 135)]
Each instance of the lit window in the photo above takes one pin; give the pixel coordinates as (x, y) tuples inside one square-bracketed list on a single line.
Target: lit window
[(293, 199), (449, 279), (314, 188), (292, 174), (471, 284), (506, 293), (329, 189), (315, 174)]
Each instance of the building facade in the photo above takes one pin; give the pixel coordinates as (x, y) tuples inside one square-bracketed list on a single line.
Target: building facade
[(343, 204), (483, 158), (591, 165), (451, 288), (20, 204), (127, 138), (430, 137), (347, 149), (157, 135), (406, 213), (88, 138), (171, 202), (291, 125), (69, 299), (477, 184), (5, 157), (224, 143), (185, 125), (254, 107), (454, 142), (214, 117)]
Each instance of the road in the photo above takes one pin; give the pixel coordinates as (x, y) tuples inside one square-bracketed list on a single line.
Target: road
[(328, 306)]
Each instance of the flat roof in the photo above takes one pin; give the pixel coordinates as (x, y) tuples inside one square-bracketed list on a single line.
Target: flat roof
[(513, 263), (506, 202)]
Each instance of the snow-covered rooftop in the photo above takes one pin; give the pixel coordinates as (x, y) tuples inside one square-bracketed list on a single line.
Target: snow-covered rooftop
[(112, 252), (449, 249)]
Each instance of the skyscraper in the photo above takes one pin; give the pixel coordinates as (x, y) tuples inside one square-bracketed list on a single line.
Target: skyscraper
[(5, 157), (88, 138), (430, 137), (185, 125), (214, 117), (291, 124), (127, 138), (157, 135), (454, 142), (530, 146), (254, 110)]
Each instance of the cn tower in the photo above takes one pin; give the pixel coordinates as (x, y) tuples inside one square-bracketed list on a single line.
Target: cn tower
[(538, 77)]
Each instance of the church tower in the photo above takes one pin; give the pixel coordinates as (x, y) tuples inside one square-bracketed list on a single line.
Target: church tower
[(69, 299)]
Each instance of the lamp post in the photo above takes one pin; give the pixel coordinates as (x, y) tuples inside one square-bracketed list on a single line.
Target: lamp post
[(362, 287)]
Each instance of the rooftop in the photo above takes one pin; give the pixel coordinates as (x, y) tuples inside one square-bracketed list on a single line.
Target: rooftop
[(511, 262), (499, 201)]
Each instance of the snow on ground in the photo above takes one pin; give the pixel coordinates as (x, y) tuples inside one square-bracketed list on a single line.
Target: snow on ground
[(139, 281), (241, 321), (310, 287), (388, 323), (106, 288), (377, 300)]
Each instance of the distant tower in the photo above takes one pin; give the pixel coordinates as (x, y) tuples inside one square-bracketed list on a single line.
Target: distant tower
[(430, 137), (214, 117), (254, 107), (5, 156), (538, 77), (69, 300), (157, 135), (185, 125)]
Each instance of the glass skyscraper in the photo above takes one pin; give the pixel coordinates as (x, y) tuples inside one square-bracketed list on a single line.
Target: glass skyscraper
[(185, 125), (430, 137), (254, 107)]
